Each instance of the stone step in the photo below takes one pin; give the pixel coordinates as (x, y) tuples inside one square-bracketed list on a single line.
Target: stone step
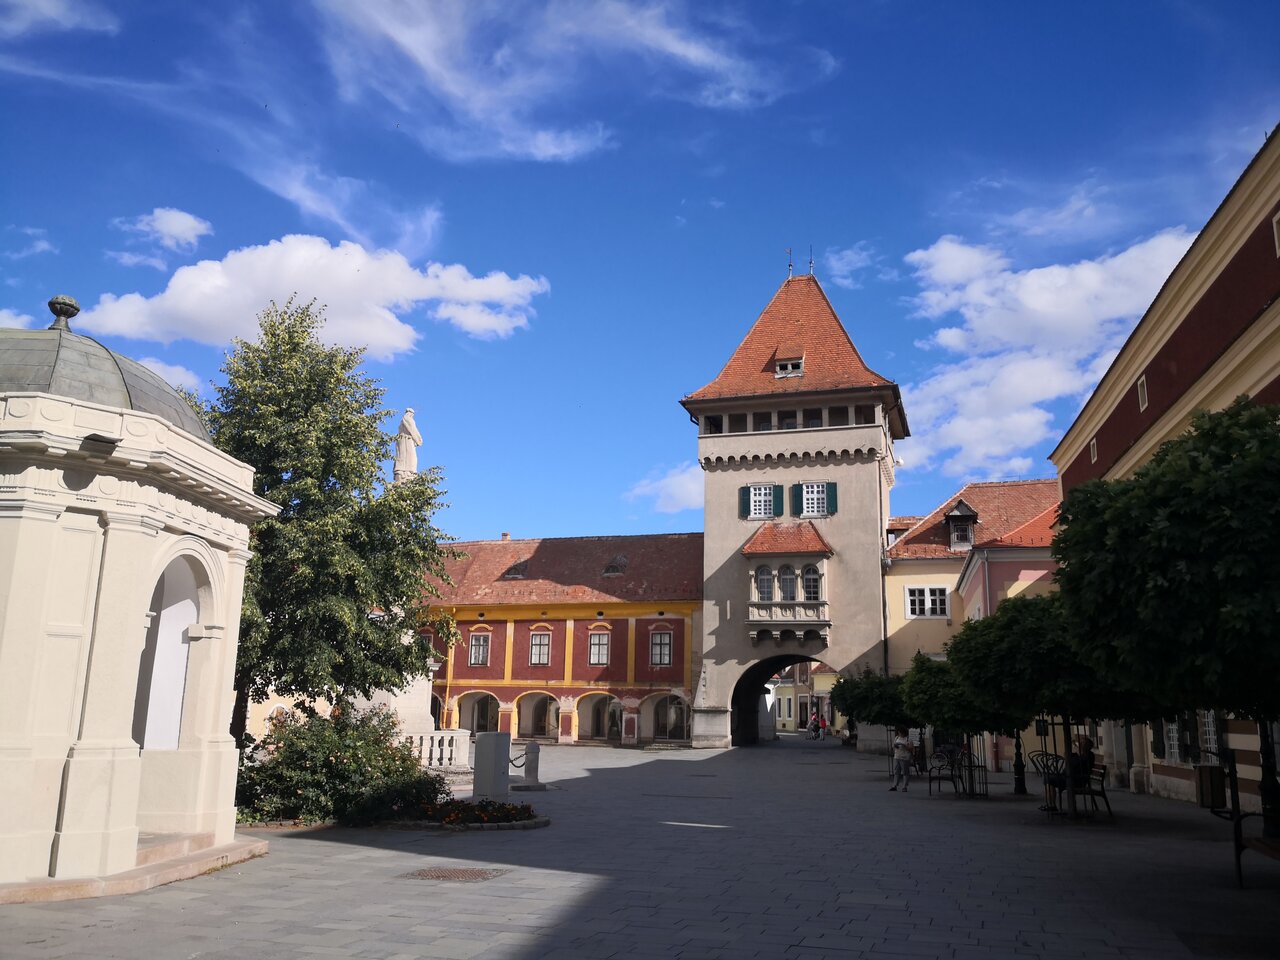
[(154, 847), (138, 879)]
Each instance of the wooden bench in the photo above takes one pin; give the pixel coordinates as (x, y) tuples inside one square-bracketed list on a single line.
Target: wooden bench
[(1267, 846)]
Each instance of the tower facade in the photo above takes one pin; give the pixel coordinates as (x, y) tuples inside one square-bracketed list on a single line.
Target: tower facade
[(795, 439)]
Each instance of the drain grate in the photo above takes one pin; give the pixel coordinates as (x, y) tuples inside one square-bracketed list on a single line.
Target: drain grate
[(456, 874)]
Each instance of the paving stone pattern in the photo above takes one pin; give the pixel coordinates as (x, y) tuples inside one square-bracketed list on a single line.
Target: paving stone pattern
[(789, 850)]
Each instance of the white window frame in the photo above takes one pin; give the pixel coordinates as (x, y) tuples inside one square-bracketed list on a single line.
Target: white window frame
[(540, 639), (1172, 742), (1142, 393), (934, 602), (479, 644), (781, 581), (596, 641), (958, 542), (788, 368), (814, 499), (804, 584), (762, 576), (1093, 450), (761, 502), (657, 656)]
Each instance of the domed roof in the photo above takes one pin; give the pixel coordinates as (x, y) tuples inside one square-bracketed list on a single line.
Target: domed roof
[(60, 362)]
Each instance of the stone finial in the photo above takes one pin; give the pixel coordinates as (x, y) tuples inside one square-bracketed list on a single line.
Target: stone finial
[(63, 309)]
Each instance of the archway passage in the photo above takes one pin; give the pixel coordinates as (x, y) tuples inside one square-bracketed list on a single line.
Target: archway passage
[(747, 708), (479, 711), (600, 718), (539, 716)]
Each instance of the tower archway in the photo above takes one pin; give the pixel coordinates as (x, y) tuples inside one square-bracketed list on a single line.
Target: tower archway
[(748, 709)]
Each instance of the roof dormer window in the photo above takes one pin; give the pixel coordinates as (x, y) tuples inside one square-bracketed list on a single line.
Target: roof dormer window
[(616, 567), (517, 570), (960, 520), (793, 367)]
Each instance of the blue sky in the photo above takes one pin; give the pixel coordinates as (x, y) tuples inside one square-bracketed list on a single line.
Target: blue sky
[(550, 221)]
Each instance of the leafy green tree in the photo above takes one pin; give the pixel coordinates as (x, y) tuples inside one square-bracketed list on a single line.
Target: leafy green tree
[(1172, 577), (871, 698), (342, 574), (935, 693)]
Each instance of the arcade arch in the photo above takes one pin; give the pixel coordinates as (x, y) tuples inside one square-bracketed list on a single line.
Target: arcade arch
[(537, 716), (665, 718), (478, 712), (599, 717)]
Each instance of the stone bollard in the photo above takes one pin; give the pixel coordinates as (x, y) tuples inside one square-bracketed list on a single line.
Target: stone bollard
[(530, 782), (493, 754)]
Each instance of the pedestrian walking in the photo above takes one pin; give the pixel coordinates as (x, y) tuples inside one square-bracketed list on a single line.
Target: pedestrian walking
[(822, 727), (813, 727), (901, 760)]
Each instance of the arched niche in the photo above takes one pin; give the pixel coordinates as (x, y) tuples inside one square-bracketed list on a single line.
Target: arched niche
[(162, 669)]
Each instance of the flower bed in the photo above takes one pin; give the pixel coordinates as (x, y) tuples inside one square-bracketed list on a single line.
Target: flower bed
[(455, 813)]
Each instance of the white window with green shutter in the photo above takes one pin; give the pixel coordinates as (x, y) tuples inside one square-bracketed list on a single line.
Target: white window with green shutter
[(760, 501), (813, 499)]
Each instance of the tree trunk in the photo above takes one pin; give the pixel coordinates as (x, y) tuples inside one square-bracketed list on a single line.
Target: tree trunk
[(1071, 789), (1019, 767), (1270, 788), (240, 715)]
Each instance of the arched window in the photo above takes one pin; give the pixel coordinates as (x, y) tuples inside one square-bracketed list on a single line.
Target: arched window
[(812, 585), (764, 584), (787, 585)]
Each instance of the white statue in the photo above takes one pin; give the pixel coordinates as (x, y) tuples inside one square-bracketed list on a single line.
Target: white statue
[(407, 440)]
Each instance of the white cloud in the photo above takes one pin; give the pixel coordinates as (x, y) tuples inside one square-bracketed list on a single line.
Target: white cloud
[(173, 374), (12, 318), (844, 265), (18, 17), (366, 293), (37, 242), (1084, 214), (127, 259), (479, 79), (680, 488), (169, 227), (1025, 339)]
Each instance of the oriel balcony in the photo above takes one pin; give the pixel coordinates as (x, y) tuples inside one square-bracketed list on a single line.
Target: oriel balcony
[(788, 622)]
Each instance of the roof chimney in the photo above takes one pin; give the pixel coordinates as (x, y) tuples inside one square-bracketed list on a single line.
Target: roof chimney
[(505, 535)]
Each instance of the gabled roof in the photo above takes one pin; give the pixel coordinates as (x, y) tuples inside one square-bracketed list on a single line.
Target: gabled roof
[(666, 566), (1002, 507), (1036, 532), (773, 539), (798, 322)]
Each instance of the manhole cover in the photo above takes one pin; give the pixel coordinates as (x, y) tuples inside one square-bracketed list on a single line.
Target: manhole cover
[(456, 874)]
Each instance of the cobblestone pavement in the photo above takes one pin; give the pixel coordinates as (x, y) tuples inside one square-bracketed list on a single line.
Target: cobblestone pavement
[(790, 850)]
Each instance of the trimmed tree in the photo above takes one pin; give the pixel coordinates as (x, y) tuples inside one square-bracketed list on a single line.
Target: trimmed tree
[(341, 576), (871, 698), (1171, 575)]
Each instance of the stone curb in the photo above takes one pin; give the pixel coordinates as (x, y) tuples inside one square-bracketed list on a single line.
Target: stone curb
[(535, 824), (136, 880)]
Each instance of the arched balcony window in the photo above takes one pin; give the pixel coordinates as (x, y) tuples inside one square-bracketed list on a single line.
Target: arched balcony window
[(787, 585), (812, 581), (764, 584)]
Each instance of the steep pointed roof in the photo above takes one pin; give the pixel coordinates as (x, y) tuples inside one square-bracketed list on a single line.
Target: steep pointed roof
[(798, 322)]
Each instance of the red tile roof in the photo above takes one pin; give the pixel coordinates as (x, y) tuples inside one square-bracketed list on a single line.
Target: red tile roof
[(786, 538), (798, 321), (664, 566), (1002, 506), (1036, 532), (902, 523)]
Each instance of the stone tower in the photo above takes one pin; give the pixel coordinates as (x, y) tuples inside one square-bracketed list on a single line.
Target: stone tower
[(795, 439)]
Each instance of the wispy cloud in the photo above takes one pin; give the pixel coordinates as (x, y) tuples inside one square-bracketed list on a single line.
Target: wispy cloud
[(127, 258), (491, 79), (368, 295), (676, 490), (1022, 340), (36, 241), (19, 17), (845, 266)]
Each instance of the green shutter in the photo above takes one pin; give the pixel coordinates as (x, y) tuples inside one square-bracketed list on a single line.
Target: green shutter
[(797, 499), (831, 497), (777, 499), (744, 502), (1157, 739)]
